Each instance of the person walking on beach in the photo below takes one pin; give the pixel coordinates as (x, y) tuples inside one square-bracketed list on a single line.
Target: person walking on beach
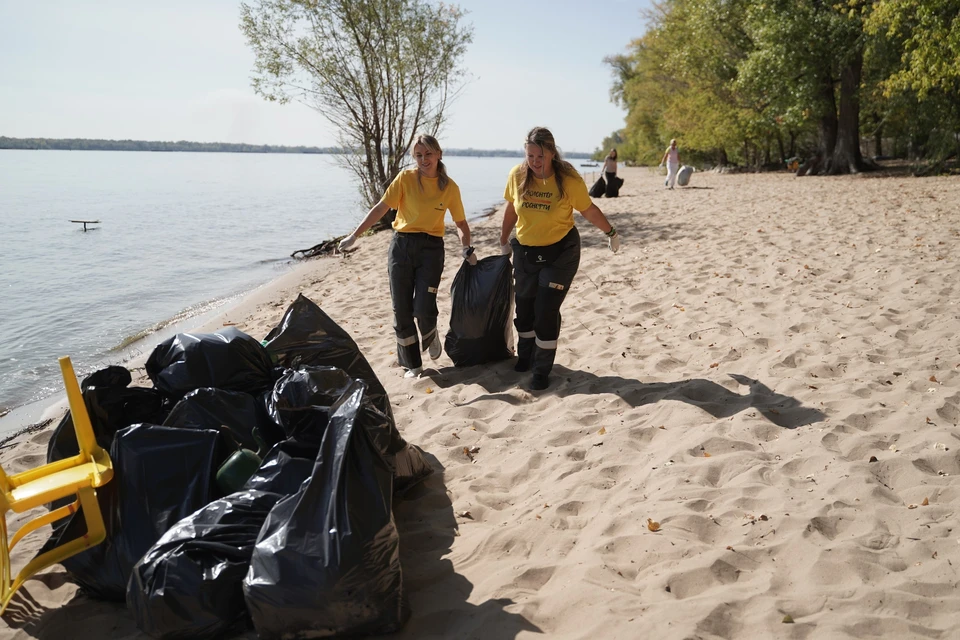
[(610, 165), (613, 183), (672, 157), (421, 196), (541, 194)]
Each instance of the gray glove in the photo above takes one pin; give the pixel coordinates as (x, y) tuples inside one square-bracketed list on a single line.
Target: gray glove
[(470, 255), (506, 249), (346, 243)]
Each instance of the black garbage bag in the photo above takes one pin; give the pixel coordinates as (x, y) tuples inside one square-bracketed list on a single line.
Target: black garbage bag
[(613, 187), (227, 359), (190, 583), (481, 314), (283, 469), (111, 405), (308, 336), (238, 412), (161, 475), (327, 560), (598, 189)]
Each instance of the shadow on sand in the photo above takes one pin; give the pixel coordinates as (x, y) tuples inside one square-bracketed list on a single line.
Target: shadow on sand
[(438, 594), (783, 411)]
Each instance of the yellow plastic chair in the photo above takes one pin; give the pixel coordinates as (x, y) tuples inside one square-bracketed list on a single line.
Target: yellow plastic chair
[(79, 475)]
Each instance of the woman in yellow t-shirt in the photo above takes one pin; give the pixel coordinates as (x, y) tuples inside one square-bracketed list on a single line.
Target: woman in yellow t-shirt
[(541, 194), (421, 197)]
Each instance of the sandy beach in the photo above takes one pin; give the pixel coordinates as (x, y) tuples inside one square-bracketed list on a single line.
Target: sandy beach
[(751, 430)]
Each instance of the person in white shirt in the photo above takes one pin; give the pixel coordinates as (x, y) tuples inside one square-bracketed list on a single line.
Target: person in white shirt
[(672, 157)]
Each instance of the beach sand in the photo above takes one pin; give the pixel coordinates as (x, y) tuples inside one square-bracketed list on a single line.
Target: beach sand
[(769, 369)]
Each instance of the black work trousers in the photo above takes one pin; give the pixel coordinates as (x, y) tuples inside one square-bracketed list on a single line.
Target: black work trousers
[(414, 265), (542, 276)]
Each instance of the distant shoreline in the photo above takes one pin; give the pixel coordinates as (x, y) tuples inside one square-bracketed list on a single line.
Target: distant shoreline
[(96, 144)]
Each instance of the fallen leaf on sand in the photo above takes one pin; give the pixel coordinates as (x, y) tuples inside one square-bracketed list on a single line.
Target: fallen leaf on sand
[(787, 619), (706, 455), (934, 379), (911, 506), (602, 431), (714, 365), (925, 503), (466, 452), (653, 526), (662, 427), (873, 459), (428, 390)]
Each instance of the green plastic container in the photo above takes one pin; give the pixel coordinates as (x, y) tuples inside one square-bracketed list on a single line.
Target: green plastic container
[(240, 466), (236, 470)]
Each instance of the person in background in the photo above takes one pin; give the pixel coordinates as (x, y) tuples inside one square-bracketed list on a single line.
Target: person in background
[(672, 157), (541, 194), (610, 165), (421, 196)]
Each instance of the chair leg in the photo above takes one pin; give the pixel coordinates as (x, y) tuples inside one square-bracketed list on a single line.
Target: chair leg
[(48, 518), (95, 535), (5, 591)]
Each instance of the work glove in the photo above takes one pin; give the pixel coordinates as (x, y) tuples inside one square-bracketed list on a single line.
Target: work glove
[(506, 249), (470, 256), (613, 240), (346, 243)]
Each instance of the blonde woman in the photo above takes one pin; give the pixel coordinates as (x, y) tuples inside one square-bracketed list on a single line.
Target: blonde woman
[(541, 194), (422, 196)]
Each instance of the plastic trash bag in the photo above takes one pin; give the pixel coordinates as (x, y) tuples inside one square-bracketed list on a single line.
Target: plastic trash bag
[(683, 176), (190, 583), (228, 359), (599, 188), (327, 560), (308, 336), (482, 312), (236, 411), (613, 187), (284, 469), (111, 405), (161, 475)]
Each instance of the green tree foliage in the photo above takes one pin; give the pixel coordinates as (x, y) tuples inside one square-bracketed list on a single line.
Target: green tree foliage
[(380, 71), (755, 81)]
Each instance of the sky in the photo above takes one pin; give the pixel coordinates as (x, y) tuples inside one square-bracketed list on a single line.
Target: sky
[(181, 69)]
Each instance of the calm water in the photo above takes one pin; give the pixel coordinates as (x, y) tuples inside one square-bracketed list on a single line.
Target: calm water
[(179, 234)]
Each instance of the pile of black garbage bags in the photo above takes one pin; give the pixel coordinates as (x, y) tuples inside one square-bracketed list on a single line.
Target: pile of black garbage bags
[(253, 486)]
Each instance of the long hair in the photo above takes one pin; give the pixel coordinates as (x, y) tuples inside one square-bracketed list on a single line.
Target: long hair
[(431, 143), (613, 154), (562, 169)]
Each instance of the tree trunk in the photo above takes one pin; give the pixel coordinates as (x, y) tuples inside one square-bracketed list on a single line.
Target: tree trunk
[(827, 125), (722, 158), (846, 157), (878, 138), (783, 155)]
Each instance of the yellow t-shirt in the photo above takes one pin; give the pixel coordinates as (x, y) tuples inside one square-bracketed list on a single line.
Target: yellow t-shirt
[(422, 211), (542, 216)]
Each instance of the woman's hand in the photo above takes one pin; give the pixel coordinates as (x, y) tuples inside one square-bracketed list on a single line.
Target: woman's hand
[(613, 241)]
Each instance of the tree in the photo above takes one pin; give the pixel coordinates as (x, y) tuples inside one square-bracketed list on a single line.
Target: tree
[(380, 71)]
